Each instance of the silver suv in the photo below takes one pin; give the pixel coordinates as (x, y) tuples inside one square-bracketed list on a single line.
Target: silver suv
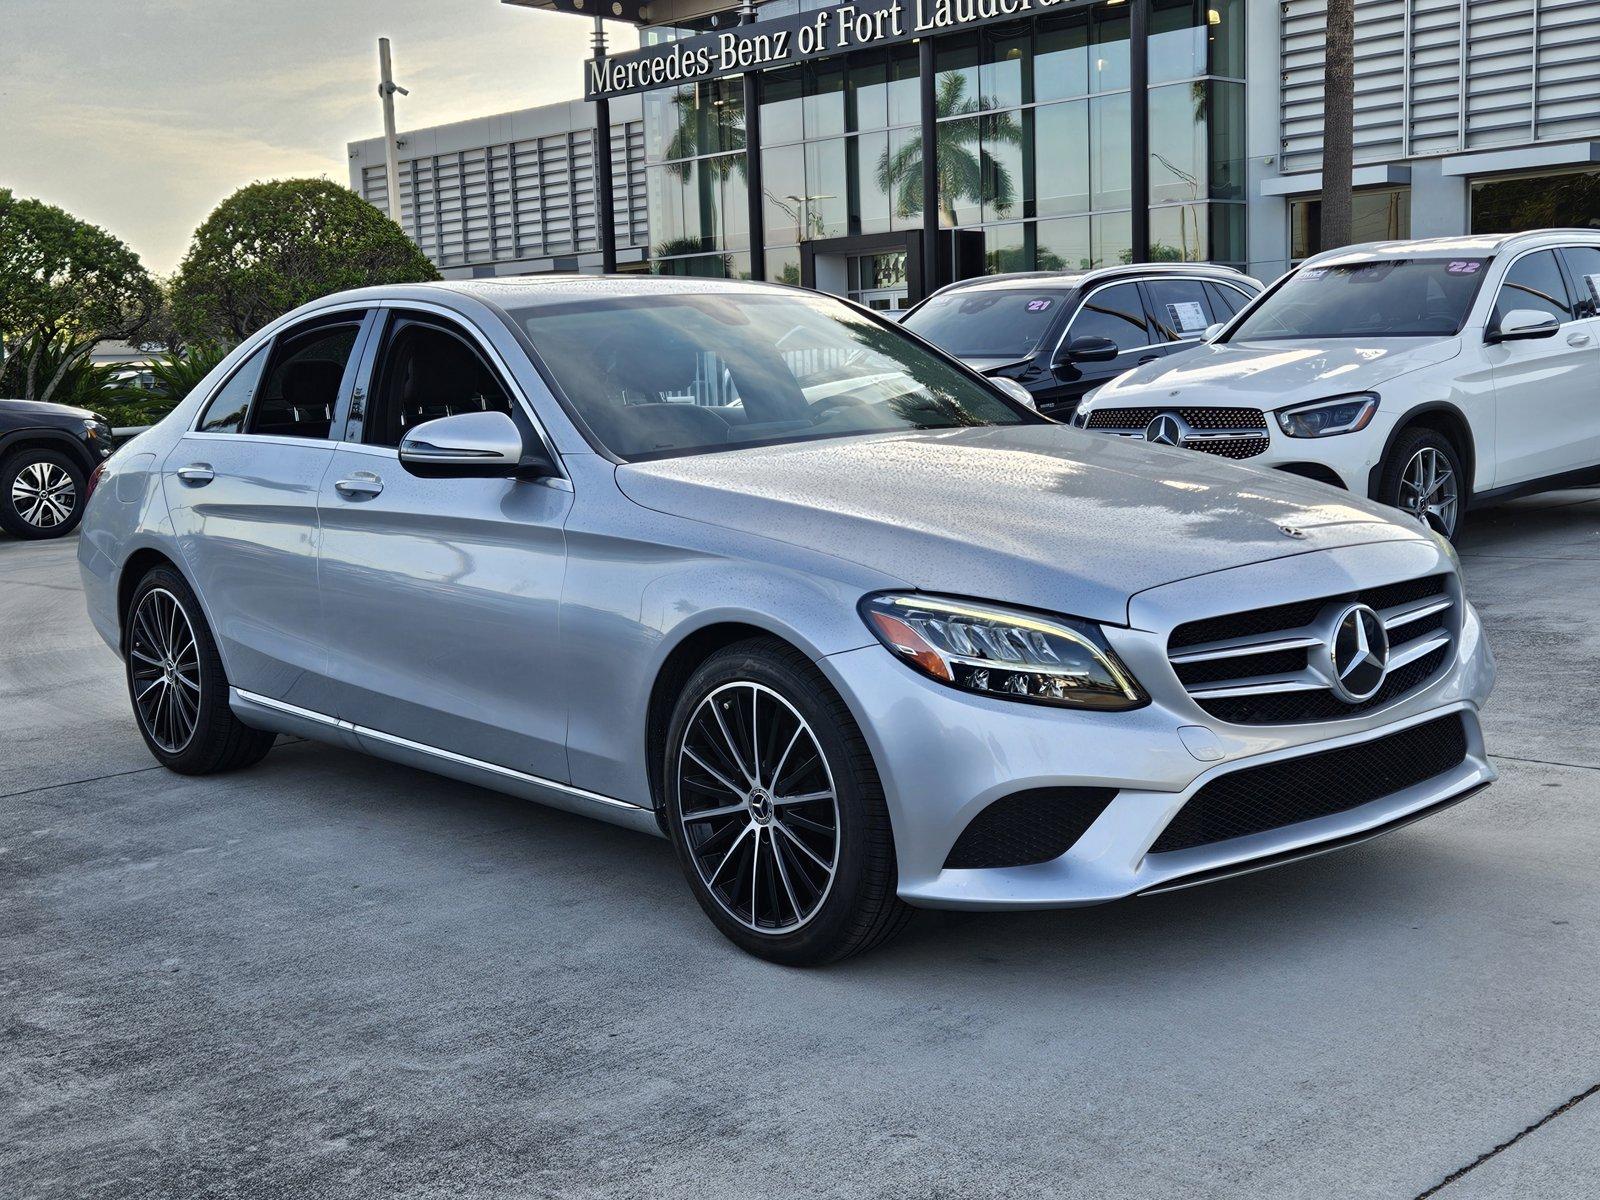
[(752, 568)]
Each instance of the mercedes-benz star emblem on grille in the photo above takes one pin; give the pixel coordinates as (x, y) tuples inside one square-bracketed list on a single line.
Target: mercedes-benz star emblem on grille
[(1358, 650), (1165, 430)]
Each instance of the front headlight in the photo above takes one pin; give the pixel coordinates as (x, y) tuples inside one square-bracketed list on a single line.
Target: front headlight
[(1324, 418), (1003, 652)]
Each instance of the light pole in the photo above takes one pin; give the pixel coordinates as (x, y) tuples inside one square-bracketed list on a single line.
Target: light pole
[(387, 87), (605, 215)]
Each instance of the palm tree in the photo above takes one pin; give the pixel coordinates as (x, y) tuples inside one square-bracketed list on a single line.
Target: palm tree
[(1338, 124), (695, 121), (965, 168)]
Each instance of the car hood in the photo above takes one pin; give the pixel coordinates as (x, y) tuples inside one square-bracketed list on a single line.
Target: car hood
[(44, 408), (1274, 374), (1037, 515)]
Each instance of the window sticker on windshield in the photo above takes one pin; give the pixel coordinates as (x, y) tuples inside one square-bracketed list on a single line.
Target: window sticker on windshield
[(1038, 305), (1313, 273), (1187, 317), (1464, 268)]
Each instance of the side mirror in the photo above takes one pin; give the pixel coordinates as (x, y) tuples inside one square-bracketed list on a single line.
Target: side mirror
[(1016, 391), (1090, 349), (472, 445), (1213, 329), (1524, 324)]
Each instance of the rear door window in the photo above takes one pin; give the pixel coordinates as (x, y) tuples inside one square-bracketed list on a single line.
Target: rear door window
[(1583, 265), (1182, 308), (301, 389)]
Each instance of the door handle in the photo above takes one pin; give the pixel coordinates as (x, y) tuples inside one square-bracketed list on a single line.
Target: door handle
[(361, 484), (1148, 358), (1577, 339), (196, 474)]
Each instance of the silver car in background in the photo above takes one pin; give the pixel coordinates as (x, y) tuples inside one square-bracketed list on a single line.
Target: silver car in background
[(752, 568)]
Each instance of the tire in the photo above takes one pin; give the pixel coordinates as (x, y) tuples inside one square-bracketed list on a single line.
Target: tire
[(799, 914), (41, 494), (176, 683), (1408, 462)]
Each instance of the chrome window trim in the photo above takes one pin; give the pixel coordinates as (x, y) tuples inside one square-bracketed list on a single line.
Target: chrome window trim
[(323, 719), (1136, 280), (257, 439)]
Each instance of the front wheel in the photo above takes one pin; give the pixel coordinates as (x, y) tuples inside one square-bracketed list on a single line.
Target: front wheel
[(177, 684), (1423, 476), (41, 494), (775, 809)]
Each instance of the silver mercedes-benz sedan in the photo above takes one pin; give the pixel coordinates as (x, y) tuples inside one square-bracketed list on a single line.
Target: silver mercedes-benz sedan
[(753, 568)]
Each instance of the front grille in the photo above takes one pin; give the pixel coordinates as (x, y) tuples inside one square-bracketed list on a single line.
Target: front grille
[(1229, 447), (1269, 666), (1256, 799), (1028, 827), (1195, 418)]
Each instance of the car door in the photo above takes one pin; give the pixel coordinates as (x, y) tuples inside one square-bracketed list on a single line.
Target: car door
[(1544, 387), (1583, 272), (441, 595), (1117, 312), (241, 488)]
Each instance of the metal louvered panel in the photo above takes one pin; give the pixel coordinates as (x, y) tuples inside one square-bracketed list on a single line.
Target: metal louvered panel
[(1380, 81), (1568, 75), (527, 199), (1500, 70), (1440, 76)]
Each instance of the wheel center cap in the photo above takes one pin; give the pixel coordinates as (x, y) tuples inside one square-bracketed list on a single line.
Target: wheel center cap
[(760, 806)]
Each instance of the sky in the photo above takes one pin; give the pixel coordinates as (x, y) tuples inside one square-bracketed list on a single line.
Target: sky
[(141, 115)]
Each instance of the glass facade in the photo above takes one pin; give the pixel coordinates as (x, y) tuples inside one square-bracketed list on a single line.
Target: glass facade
[(1033, 147)]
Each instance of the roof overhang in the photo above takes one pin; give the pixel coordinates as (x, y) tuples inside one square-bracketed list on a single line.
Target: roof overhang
[(634, 12), (1310, 182), (1522, 158)]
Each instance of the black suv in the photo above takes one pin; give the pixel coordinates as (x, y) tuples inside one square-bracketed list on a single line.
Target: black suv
[(1063, 334), (47, 453)]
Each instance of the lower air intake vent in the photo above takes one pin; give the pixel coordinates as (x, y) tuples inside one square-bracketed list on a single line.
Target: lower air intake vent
[(1029, 827), (1292, 790)]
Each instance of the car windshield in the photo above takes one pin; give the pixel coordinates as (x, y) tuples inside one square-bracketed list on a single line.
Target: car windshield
[(661, 375), (987, 322), (1423, 297)]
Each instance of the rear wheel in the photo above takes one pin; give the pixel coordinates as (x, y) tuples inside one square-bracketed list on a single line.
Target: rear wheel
[(41, 494), (176, 682), (1423, 476), (776, 812)]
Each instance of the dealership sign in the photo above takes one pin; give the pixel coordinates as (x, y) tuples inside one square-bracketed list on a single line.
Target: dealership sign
[(858, 25)]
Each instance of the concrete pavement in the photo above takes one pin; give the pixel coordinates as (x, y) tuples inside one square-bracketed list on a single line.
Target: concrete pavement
[(330, 976)]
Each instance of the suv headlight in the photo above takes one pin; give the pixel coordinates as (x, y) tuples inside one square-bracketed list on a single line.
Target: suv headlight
[(1004, 652), (1324, 418)]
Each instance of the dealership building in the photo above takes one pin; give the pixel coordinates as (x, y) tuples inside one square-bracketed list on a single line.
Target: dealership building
[(877, 148)]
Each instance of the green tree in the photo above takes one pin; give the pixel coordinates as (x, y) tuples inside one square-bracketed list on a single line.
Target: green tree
[(965, 168), (271, 247), (64, 285)]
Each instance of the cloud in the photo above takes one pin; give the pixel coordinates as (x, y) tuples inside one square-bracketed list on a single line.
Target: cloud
[(140, 115)]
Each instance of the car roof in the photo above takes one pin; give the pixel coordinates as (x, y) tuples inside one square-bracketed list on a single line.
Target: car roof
[(1034, 280), (1466, 246)]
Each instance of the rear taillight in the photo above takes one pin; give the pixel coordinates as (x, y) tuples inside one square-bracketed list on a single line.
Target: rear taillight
[(94, 480)]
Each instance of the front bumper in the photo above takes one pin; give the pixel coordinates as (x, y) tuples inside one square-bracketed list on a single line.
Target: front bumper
[(944, 756), (1350, 456)]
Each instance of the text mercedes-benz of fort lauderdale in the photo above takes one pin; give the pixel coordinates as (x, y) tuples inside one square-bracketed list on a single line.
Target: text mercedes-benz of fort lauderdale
[(753, 568)]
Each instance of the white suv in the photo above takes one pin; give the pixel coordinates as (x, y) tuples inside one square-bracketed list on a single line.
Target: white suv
[(1425, 374)]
